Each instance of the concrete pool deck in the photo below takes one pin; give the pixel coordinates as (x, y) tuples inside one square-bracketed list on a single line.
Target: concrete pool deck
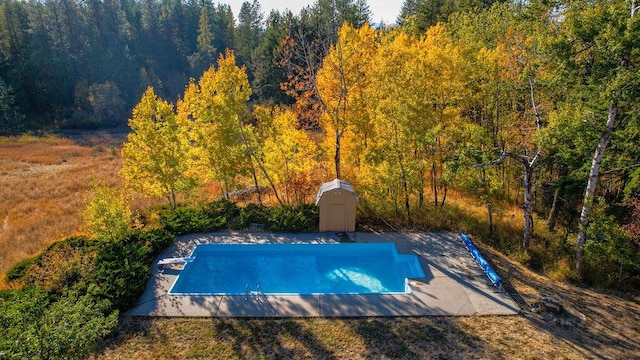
[(454, 283)]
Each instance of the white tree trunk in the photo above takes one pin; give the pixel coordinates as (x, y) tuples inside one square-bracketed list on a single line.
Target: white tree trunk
[(591, 185), (527, 208)]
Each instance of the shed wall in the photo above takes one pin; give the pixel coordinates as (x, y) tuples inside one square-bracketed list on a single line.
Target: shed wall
[(337, 211)]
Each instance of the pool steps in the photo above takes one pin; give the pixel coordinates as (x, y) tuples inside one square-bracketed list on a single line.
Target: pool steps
[(412, 269)]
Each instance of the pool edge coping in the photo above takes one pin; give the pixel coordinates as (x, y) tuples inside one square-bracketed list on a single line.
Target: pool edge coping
[(473, 298)]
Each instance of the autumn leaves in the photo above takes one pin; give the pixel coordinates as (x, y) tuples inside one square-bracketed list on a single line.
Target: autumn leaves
[(392, 110), (211, 136), (391, 115)]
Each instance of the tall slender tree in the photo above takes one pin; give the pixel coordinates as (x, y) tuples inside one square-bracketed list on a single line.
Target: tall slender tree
[(212, 112), (156, 153), (341, 81), (604, 39), (206, 52), (248, 33)]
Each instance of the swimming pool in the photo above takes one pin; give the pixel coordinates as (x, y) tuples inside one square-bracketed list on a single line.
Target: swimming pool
[(303, 269)]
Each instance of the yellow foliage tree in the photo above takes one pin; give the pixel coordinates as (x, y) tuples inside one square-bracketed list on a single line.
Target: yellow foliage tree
[(392, 107), (107, 214), (289, 153), (156, 153), (213, 112), (341, 83)]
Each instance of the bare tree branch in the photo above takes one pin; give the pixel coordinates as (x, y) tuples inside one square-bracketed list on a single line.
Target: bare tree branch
[(494, 162)]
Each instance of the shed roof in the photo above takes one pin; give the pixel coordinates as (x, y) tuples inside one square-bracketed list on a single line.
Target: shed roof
[(335, 184)]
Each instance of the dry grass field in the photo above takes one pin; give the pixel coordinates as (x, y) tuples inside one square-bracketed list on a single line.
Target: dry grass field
[(43, 182), (42, 187)]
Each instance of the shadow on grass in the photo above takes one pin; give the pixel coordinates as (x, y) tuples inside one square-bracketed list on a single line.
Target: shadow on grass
[(361, 338), (418, 338), (259, 338)]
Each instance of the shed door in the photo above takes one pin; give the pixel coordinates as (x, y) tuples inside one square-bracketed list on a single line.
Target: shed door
[(337, 219)]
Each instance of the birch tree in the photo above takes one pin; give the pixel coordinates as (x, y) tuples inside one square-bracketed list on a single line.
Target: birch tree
[(287, 151), (524, 58), (603, 39), (341, 82)]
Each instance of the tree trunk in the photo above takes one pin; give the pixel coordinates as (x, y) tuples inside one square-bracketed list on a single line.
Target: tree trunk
[(286, 181), (172, 199), (406, 194), (444, 195), (421, 192), (529, 165), (337, 155), (527, 208), (490, 216), (403, 173), (255, 181), (266, 175), (553, 212), (434, 182), (249, 155), (395, 204), (591, 185)]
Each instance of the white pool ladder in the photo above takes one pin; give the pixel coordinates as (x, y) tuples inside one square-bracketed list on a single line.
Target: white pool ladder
[(257, 293)]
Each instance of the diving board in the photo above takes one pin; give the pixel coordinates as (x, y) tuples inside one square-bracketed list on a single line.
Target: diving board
[(179, 260)]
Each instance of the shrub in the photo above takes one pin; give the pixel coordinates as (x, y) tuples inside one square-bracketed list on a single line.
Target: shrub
[(296, 218), (62, 264), (611, 258), (77, 285), (35, 324), (19, 270), (183, 220), (208, 217), (222, 208), (252, 213), (121, 271), (157, 239)]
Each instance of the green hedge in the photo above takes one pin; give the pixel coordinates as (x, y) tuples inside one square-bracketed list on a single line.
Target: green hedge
[(293, 218), (251, 214), (48, 322), (122, 268), (224, 214), (212, 216), (19, 270), (35, 324)]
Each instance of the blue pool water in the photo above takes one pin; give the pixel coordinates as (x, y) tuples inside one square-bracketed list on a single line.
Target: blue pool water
[(305, 269)]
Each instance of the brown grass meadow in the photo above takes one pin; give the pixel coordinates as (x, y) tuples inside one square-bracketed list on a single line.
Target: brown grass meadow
[(43, 181)]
